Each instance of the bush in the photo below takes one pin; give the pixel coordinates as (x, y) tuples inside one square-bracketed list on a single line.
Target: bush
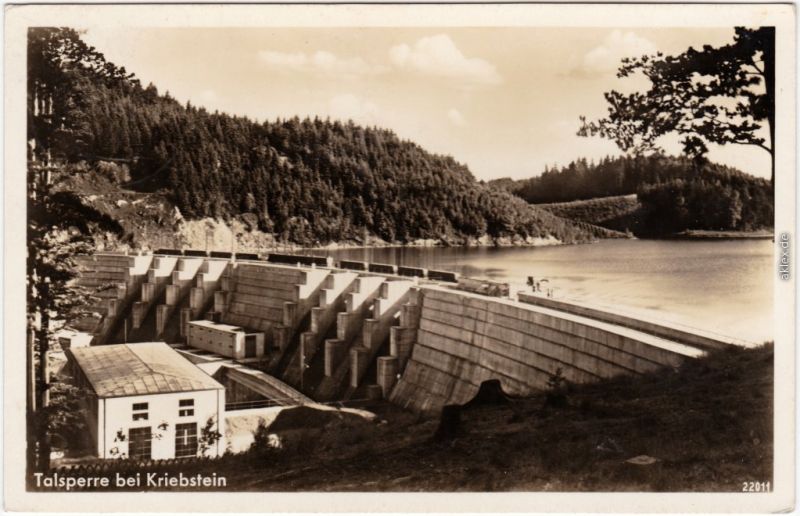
[(556, 396), (114, 172)]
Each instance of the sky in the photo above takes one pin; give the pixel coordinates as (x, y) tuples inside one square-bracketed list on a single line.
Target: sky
[(504, 101)]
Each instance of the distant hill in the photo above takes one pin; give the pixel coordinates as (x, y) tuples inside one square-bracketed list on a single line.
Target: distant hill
[(309, 182), (675, 195), (620, 212), (623, 175)]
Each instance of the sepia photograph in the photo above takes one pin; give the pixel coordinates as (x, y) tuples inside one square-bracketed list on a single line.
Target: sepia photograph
[(387, 249)]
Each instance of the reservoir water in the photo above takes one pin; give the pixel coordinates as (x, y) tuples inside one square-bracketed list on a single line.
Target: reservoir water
[(724, 287)]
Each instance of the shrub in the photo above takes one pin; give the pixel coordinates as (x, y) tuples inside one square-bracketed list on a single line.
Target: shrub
[(556, 396)]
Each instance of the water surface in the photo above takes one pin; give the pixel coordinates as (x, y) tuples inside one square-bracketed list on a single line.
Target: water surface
[(723, 286)]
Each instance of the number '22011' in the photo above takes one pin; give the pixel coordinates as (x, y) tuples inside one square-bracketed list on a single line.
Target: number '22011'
[(756, 487)]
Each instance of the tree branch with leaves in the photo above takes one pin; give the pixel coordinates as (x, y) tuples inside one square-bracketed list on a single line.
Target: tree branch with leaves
[(722, 95)]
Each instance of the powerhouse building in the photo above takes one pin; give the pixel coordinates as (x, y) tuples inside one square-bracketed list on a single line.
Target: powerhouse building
[(146, 401)]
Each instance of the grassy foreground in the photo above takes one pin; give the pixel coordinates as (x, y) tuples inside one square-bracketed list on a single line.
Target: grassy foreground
[(704, 427)]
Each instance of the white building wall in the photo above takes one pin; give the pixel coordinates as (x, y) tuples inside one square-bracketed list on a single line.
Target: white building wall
[(95, 421), (115, 415), (222, 342)]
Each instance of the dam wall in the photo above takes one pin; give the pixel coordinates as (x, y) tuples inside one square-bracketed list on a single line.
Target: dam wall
[(464, 338), (323, 319), (377, 329), (422, 340), (153, 286), (275, 300), (115, 281), (180, 283), (694, 337)]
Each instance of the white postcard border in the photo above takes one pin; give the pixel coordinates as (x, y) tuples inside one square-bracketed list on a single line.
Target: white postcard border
[(18, 18)]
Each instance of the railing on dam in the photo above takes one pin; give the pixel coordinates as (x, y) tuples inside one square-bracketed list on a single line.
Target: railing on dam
[(318, 261)]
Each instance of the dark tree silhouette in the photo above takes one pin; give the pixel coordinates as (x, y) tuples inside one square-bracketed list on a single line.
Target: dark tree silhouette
[(59, 225), (719, 95)]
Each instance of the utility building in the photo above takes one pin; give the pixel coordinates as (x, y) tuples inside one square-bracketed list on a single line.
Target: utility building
[(225, 339), (146, 401)]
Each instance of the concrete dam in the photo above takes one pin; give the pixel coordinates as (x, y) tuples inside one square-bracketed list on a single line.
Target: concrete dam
[(291, 329)]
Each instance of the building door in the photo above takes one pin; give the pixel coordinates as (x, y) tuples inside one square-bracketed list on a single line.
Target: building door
[(186, 440), (249, 346), (139, 441)]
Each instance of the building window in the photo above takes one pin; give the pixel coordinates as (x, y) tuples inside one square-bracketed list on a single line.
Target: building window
[(186, 408), (139, 440), (186, 440), (140, 411)]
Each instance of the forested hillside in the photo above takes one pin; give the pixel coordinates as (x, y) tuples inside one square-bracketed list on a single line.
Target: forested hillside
[(675, 193), (307, 181), (619, 212)]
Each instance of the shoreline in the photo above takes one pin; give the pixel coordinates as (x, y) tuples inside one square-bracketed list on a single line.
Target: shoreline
[(693, 234), (504, 242), (684, 235), (702, 234)]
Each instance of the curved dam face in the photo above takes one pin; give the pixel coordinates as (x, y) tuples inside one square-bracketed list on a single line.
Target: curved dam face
[(358, 332), (463, 339)]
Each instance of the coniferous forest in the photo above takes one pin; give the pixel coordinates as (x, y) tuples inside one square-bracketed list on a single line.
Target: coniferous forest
[(676, 193), (314, 182), (308, 181)]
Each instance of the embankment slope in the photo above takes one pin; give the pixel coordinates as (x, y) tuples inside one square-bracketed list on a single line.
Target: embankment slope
[(708, 424)]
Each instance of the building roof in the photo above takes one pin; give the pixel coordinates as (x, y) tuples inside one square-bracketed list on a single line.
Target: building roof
[(140, 368), (217, 325)]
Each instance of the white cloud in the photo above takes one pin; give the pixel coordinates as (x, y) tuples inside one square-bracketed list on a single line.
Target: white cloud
[(282, 59), (318, 62), (352, 107), (606, 58), (439, 56), (455, 117)]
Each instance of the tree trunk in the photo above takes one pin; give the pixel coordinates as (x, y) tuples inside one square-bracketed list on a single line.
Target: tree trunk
[(43, 394), (769, 83), (30, 402), (772, 162)]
